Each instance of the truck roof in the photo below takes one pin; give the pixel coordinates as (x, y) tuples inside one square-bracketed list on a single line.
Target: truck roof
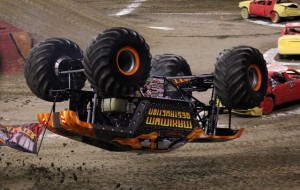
[(277, 68), (292, 25)]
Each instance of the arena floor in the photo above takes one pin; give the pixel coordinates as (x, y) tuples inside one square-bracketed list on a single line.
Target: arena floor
[(265, 157)]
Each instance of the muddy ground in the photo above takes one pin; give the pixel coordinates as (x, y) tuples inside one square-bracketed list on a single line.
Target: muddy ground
[(265, 157)]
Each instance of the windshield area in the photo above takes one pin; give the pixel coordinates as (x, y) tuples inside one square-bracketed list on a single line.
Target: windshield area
[(292, 31)]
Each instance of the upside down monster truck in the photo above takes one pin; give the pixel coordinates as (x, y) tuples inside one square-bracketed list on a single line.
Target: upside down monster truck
[(131, 101)]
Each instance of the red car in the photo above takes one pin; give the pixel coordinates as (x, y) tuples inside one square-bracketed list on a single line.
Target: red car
[(291, 28), (283, 87), (273, 9), (289, 41)]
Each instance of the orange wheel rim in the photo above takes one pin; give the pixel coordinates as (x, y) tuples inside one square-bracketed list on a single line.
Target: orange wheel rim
[(128, 61), (255, 77)]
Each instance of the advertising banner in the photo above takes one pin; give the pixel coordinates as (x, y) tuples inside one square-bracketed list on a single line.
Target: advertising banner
[(21, 137)]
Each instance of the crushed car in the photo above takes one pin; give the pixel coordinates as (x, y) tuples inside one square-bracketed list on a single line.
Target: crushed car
[(276, 10), (289, 41), (283, 87)]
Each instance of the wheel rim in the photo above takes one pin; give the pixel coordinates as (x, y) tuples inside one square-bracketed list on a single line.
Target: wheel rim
[(274, 17), (62, 64), (128, 60), (244, 13), (268, 105), (255, 77)]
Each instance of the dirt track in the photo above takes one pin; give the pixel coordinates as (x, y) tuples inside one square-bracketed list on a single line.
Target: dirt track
[(265, 157)]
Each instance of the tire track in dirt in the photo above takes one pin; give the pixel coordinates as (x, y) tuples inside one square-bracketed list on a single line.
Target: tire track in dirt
[(199, 13), (61, 21), (63, 18), (223, 36)]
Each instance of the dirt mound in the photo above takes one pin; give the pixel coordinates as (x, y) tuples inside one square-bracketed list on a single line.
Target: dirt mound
[(14, 47)]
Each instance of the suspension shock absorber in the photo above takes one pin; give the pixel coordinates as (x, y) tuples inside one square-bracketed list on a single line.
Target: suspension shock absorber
[(212, 121)]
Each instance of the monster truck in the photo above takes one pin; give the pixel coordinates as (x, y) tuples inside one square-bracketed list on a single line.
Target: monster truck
[(273, 9), (136, 102)]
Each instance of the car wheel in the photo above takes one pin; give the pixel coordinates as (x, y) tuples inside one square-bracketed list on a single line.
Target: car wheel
[(117, 62), (240, 77), (267, 105), (46, 61), (275, 18), (245, 13)]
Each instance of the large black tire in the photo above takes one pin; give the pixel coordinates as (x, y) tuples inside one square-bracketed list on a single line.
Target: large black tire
[(240, 77), (169, 65), (117, 62), (46, 60)]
